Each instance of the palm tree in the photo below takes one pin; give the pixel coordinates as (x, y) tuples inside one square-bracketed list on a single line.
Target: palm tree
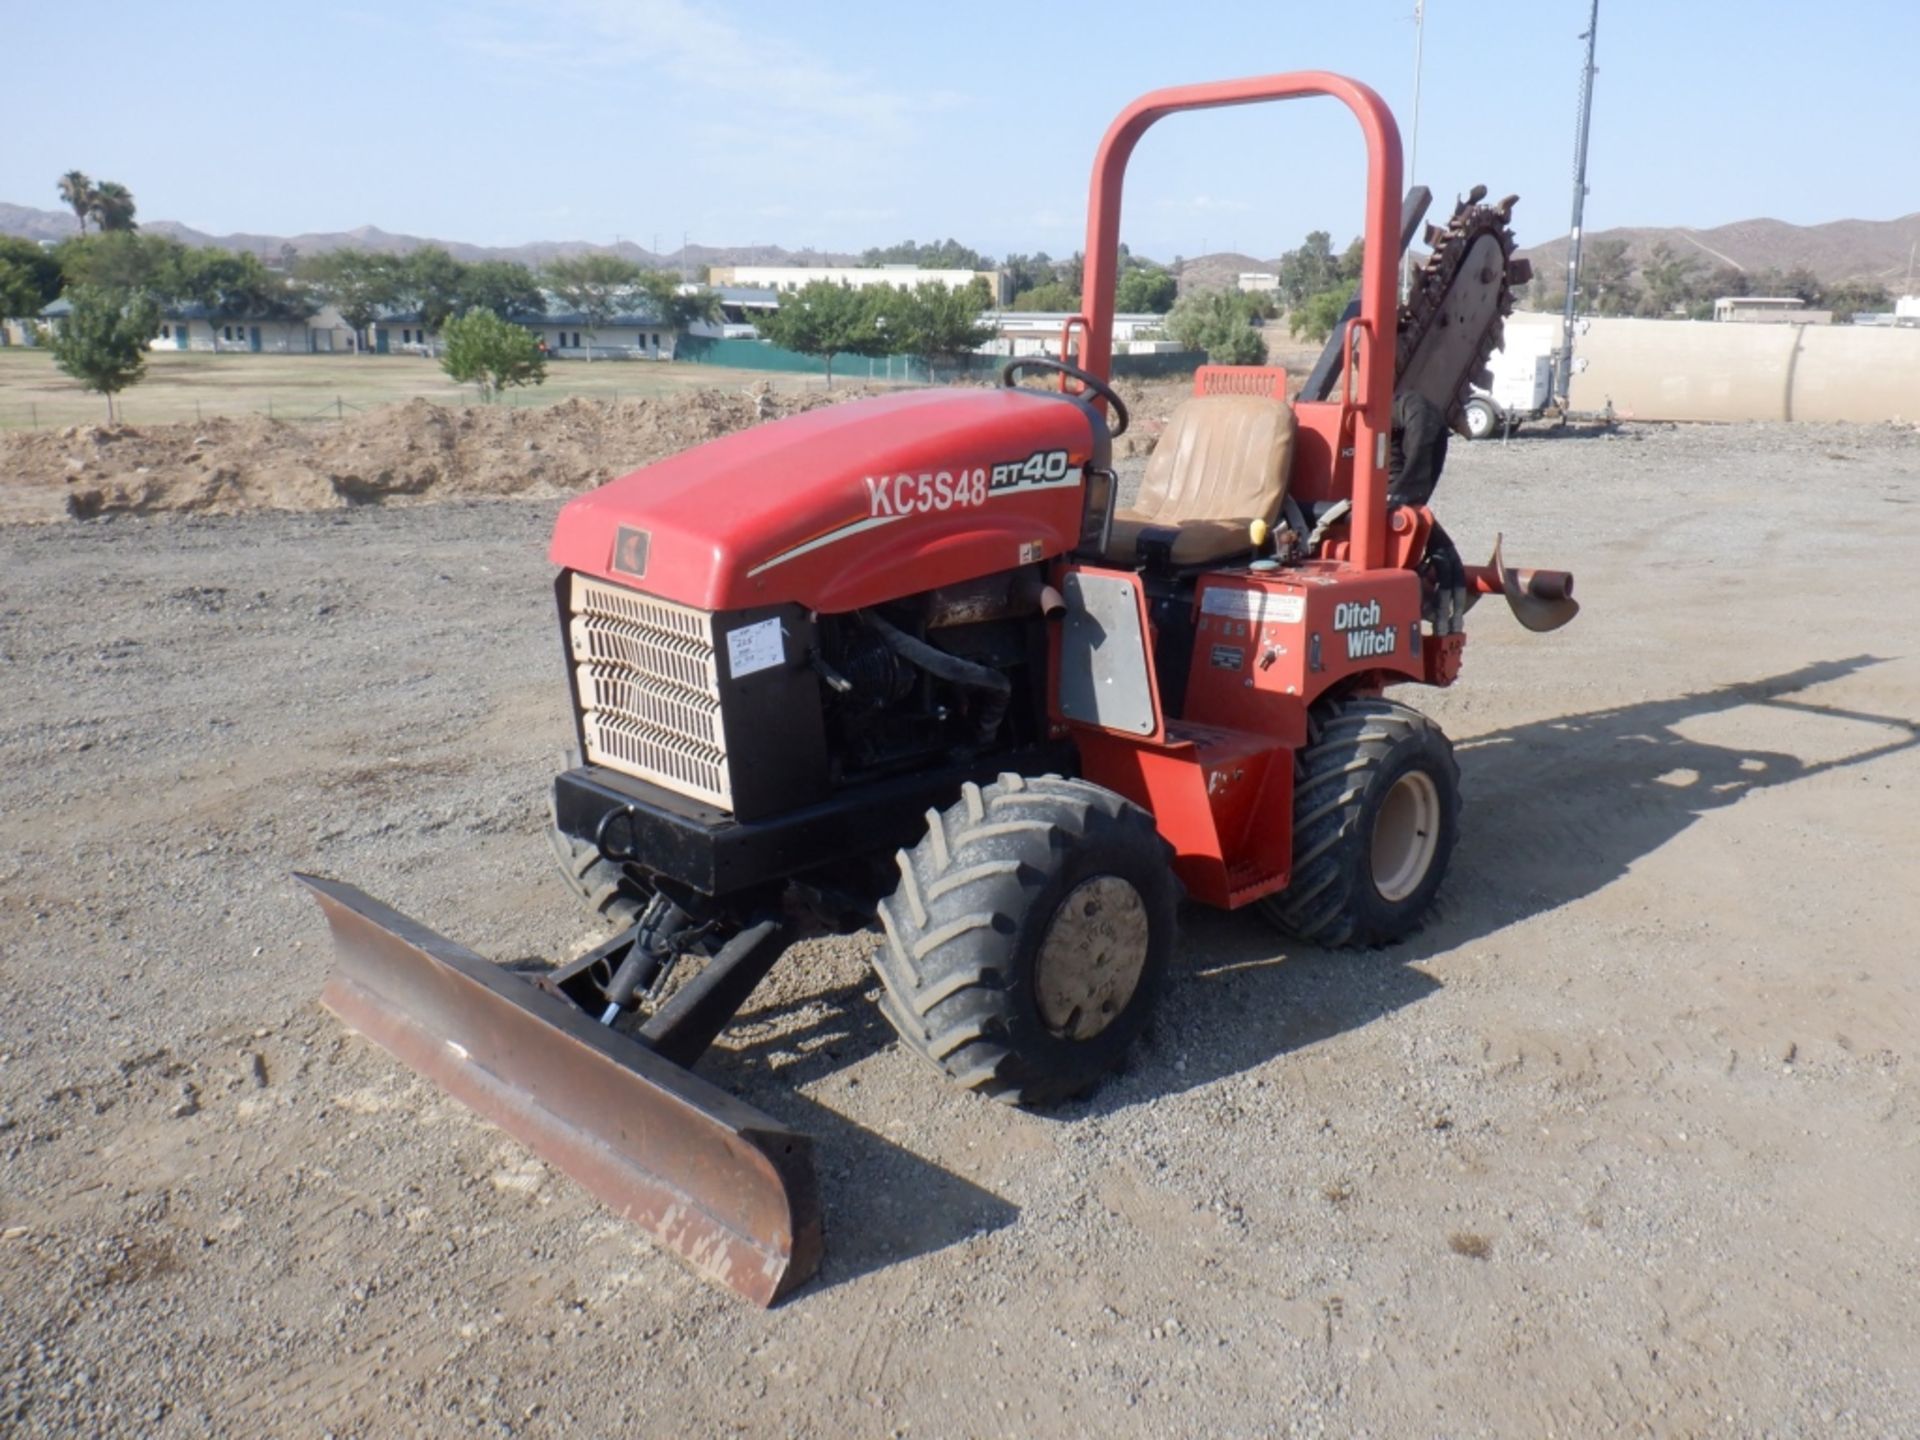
[(113, 206), (77, 190)]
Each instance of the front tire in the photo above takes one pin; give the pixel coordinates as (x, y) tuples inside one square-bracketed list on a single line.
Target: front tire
[(1376, 811), (604, 886), (1028, 936)]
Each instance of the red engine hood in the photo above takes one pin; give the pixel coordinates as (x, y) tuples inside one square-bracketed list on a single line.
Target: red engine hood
[(844, 506)]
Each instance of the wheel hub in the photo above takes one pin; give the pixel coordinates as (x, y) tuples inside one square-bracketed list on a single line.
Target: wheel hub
[(1091, 958), (1406, 836)]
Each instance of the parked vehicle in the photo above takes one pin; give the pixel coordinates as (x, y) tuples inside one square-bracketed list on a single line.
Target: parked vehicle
[(1520, 388)]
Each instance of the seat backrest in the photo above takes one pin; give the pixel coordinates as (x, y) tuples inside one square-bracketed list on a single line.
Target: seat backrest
[(1221, 457)]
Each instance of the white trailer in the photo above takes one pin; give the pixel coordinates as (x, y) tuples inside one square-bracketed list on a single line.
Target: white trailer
[(1521, 388)]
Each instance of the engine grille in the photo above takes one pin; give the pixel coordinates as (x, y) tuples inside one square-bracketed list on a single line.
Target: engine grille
[(649, 689)]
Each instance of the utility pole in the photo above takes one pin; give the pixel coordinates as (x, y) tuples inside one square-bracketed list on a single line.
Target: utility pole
[(1413, 144), (1563, 377)]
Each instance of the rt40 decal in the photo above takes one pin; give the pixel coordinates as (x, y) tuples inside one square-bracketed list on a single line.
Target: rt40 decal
[(894, 495)]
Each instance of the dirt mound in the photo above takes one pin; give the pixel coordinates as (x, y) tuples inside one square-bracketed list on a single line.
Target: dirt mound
[(418, 450), (415, 450)]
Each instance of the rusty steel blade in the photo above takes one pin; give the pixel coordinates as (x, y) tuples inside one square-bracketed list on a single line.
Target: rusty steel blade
[(724, 1187)]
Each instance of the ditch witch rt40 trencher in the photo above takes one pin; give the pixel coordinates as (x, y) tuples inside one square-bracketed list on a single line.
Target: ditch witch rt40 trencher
[(905, 660)]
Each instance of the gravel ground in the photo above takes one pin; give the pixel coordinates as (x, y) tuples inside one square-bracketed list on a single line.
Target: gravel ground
[(1622, 1143)]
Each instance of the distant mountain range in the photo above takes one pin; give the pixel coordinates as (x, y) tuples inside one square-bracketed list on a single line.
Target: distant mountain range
[(1876, 250), (1873, 250), (34, 224)]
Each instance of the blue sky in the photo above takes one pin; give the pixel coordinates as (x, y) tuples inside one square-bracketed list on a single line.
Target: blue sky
[(848, 124)]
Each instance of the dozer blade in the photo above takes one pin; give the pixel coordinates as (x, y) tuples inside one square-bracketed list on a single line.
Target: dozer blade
[(726, 1188)]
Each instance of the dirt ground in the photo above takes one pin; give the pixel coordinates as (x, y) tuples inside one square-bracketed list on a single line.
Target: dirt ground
[(1623, 1143)]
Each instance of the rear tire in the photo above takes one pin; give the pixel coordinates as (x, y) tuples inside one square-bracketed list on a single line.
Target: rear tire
[(602, 884), (1028, 936), (1376, 811), (1482, 420)]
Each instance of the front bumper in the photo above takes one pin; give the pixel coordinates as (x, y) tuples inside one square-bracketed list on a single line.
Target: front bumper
[(638, 823)]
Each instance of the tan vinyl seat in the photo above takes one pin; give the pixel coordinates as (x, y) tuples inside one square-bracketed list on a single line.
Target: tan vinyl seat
[(1220, 464)]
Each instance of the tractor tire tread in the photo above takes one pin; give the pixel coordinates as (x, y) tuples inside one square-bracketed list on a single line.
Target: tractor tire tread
[(1350, 743), (603, 885), (947, 966)]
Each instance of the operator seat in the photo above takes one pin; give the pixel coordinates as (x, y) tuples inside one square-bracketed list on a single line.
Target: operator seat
[(1220, 464)]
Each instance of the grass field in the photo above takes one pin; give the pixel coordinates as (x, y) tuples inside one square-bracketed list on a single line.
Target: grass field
[(188, 386)]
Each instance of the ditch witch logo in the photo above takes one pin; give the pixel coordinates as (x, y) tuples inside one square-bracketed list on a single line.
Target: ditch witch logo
[(1357, 621)]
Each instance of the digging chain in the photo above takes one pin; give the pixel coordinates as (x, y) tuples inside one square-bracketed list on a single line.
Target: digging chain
[(1450, 246)]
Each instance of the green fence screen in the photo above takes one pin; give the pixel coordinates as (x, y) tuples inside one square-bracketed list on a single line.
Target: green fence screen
[(759, 355)]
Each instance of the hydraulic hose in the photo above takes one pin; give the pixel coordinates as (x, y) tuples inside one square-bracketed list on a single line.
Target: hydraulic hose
[(945, 665)]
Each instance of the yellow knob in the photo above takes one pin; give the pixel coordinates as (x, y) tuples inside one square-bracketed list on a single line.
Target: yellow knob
[(1257, 533)]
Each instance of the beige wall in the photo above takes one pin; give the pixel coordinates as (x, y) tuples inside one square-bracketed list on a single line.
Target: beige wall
[(1698, 370)]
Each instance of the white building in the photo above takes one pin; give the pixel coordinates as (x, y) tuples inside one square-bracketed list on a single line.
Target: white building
[(190, 327), (635, 334), (900, 277), (1768, 310), (1039, 332), (1258, 282)]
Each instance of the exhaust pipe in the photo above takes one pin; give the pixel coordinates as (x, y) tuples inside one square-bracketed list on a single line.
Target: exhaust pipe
[(727, 1189)]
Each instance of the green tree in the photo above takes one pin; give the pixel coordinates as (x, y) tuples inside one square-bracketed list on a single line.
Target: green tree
[(1799, 281), (76, 191), (1672, 278), (1314, 318), (1219, 322), (234, 285), (1308, 270), (113, 207), (30, 278), (123, 260), (594, 284), (1053, 296), (357, 283), (948, 254), (1353, 260), (933, 322), (1849, 298), (1606, 278), (503, 286), (825, 319), (1030, 272), (678, 309), (1726, 280), (1545, 296), (429, 283), (1145, 289), (483, 349), (103, 339)]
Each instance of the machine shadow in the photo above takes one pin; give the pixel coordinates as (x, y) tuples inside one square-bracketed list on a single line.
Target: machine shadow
[(1633, 779), (884, 1203), (1629, 774), (1560, 808)]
